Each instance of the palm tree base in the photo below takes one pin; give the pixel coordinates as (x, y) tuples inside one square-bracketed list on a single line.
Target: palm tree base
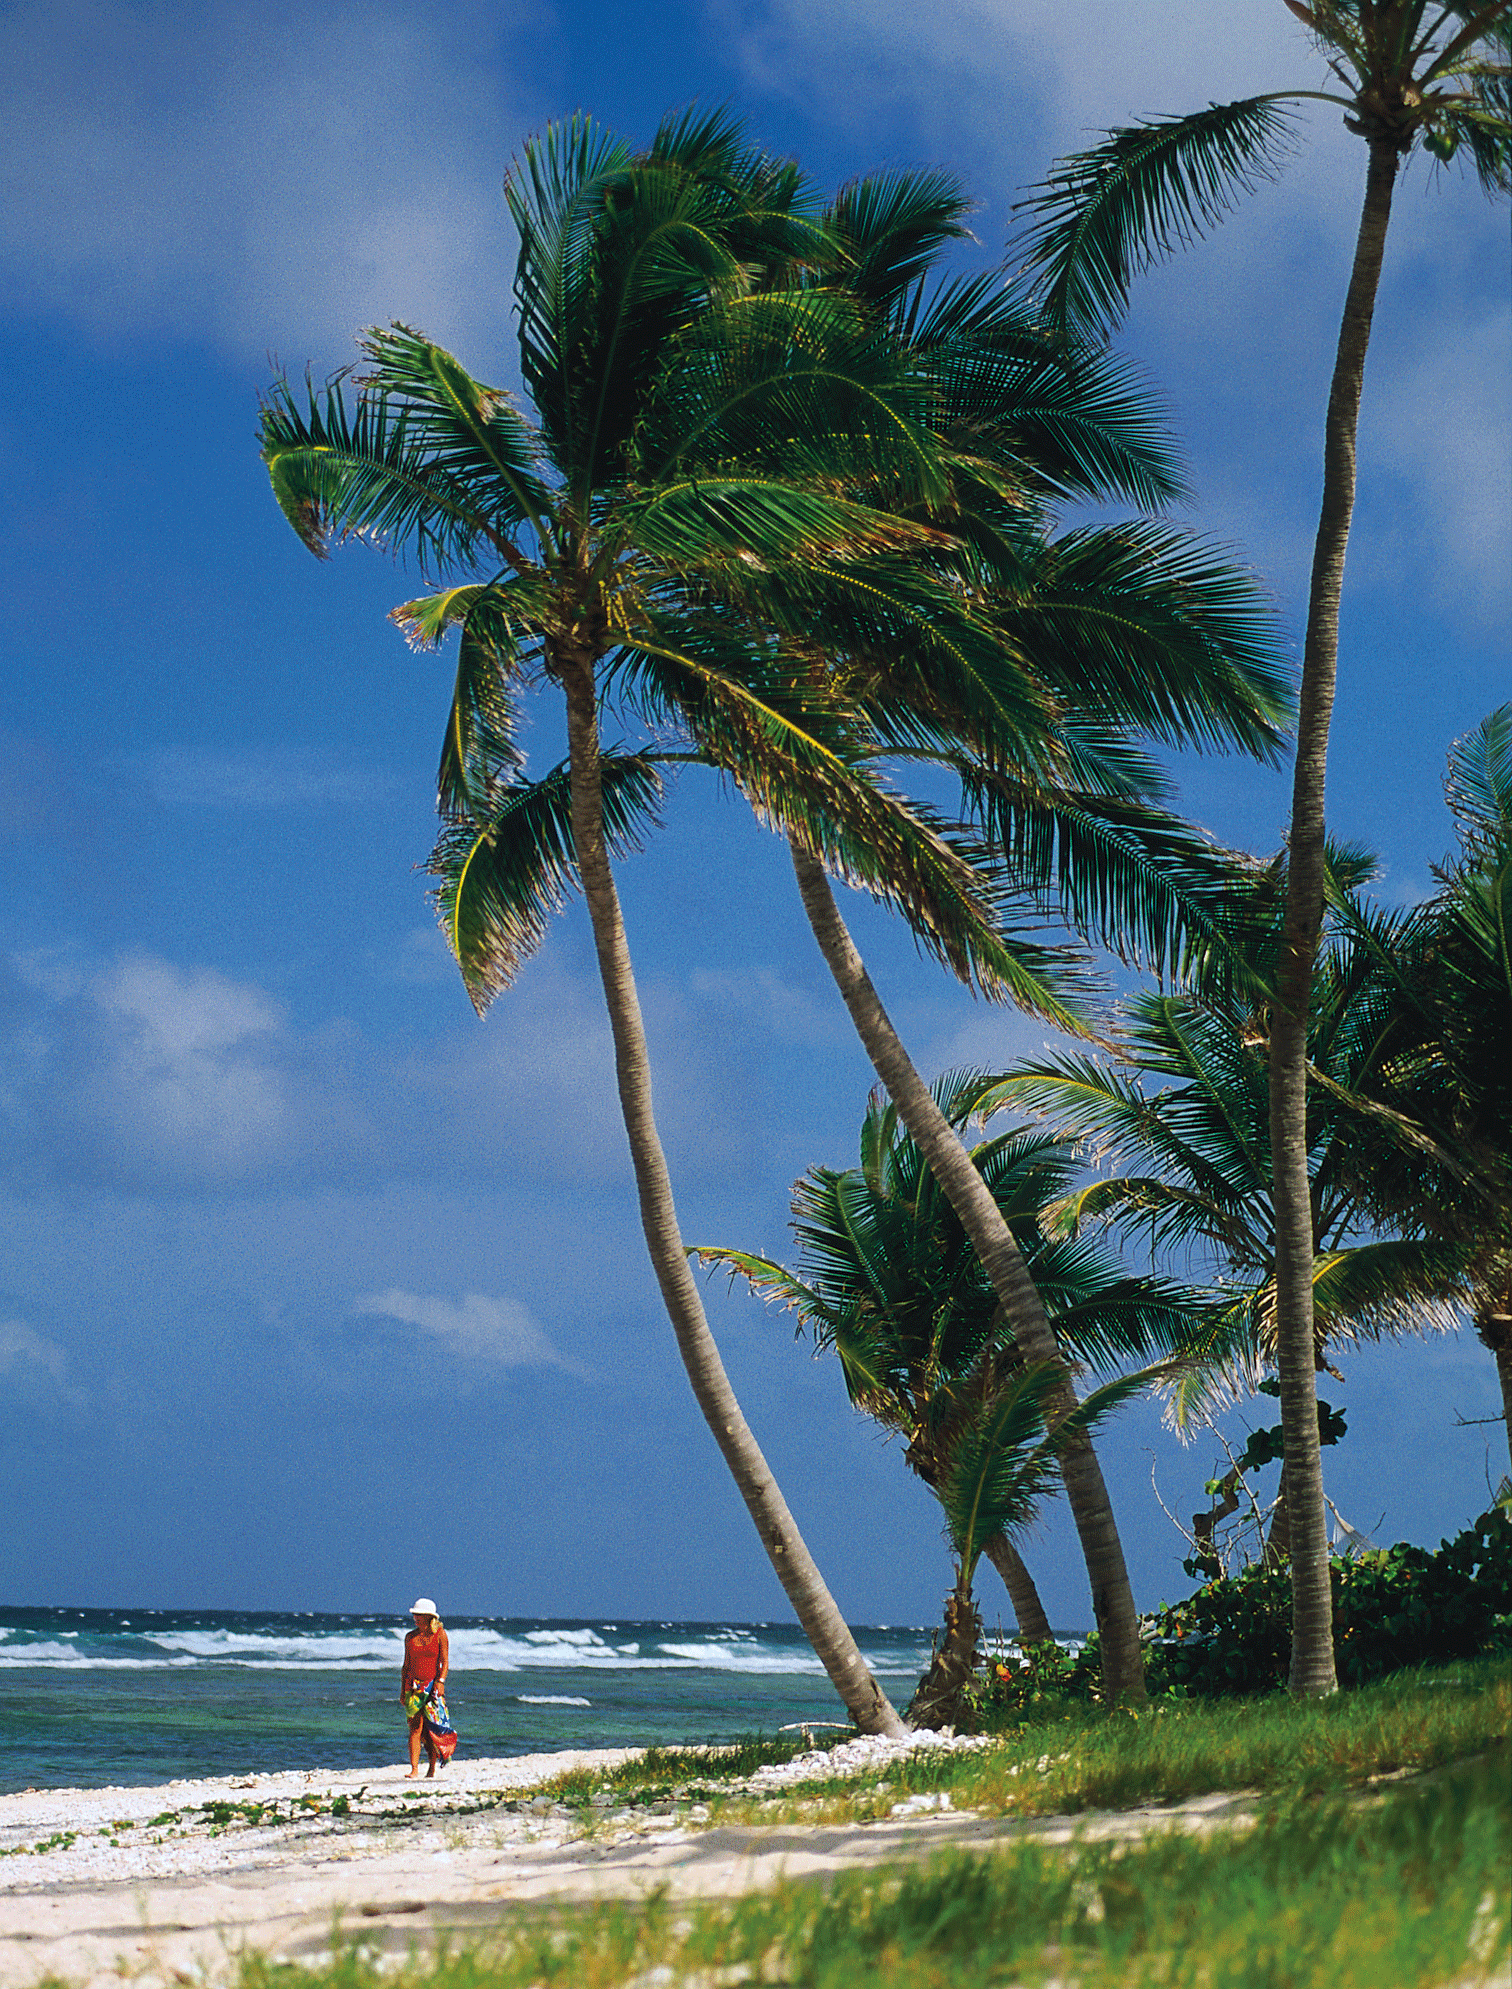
[(947, 1692)]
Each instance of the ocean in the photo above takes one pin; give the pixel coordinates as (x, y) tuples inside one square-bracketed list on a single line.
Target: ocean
[(97, 1697)]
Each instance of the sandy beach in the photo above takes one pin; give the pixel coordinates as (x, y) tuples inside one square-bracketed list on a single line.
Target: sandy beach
[(173, 1882)]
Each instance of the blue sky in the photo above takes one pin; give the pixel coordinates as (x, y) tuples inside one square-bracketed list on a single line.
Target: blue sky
[(315, 1290)]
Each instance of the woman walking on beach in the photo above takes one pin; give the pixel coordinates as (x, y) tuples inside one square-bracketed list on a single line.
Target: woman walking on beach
[(422, 1689)]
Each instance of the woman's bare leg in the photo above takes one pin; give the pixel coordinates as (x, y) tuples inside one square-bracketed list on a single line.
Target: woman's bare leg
[(415, 1727)]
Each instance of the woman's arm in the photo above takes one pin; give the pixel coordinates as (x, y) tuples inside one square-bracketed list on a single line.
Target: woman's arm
[(444, 1662)]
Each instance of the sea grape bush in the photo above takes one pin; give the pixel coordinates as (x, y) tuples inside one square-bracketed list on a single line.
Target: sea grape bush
[(1393, 1608)]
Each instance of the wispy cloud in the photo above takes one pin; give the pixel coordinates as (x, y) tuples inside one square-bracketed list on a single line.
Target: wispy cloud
[(21, 1344), (35, 1368), (486, 1329), (255, 178), (260, 777)]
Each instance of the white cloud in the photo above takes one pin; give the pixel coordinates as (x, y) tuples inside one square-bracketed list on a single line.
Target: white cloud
[(260, 777), (760, 1000), (186, 1065), (21, 1345), (258, 179), (1435, 436), (479, 1328)]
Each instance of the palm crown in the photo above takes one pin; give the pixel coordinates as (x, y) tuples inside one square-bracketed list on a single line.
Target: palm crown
[(1181, 1120), (1409, 73)]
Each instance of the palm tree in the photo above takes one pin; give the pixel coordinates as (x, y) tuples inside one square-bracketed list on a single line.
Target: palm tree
[(1115, 630), (1004, 1455), (1181, 1118), (1029, 696), (889, 1281), (1410, 73), (693, 431), (1433, 1149)]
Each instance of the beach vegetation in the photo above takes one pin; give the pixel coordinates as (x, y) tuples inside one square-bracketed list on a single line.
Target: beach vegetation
[(1409, 74), (1432, 1154), (1403, 1888), (1061, 1753)]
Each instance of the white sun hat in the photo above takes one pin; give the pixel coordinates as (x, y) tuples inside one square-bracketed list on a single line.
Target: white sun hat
[(424, 1607)]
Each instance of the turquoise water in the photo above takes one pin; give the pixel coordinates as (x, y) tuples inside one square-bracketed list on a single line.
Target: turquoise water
[(91, 1697)]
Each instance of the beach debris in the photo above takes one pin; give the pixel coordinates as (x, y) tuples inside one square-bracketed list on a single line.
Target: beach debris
[(918, 1805), (859, 1754)]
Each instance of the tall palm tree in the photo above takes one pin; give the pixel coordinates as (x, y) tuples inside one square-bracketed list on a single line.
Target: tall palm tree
[(1029, 697), (889, 1282), (1117, 630), (1180, 1119), (1410, 73), (692, 430), (1433, 1151)]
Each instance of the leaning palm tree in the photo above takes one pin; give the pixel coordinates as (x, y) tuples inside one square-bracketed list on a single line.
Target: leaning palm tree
[(889, 1282), (692, 429), (1410, 73), (1031, 698), (1118, 631)]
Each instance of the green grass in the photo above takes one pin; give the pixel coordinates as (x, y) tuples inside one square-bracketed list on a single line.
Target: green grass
[(1084, 1759), (1407, 1890)]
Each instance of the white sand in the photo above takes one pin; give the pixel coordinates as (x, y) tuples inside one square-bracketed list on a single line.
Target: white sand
[(178, 1898)]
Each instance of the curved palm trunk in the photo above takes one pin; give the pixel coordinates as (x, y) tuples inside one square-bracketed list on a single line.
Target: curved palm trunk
[(1029, 1611), (816, 1610), (969, 1196), (1312, 1667)]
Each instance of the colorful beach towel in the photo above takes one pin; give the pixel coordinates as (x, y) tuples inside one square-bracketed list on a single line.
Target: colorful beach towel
[(439, 1731)]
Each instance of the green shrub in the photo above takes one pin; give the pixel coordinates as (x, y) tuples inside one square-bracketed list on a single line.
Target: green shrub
[(1395, 1607)]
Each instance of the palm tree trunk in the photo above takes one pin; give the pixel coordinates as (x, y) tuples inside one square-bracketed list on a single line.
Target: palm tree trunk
[(816, 1610), (969, 1196), (1493, 1323), (944, 1697), (1028, 1610), (1312, 1667)]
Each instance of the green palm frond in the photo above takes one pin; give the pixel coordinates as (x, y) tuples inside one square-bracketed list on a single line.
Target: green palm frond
[(1392, 1286), (1152, 628), (1006, 392), (480, 752), (366, 471), (1141, 882), (502, 879), (1108, 213), (891, 228), (801, 380), (1479, 60), (472, 434), (1478, 786), (1003, 1459), (778, 739)]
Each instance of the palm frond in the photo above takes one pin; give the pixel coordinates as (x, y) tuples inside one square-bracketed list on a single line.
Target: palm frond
[(891, 227), (503, 878), (1005, 1457), (1478, 786), (366, 471), (1112, 211)]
